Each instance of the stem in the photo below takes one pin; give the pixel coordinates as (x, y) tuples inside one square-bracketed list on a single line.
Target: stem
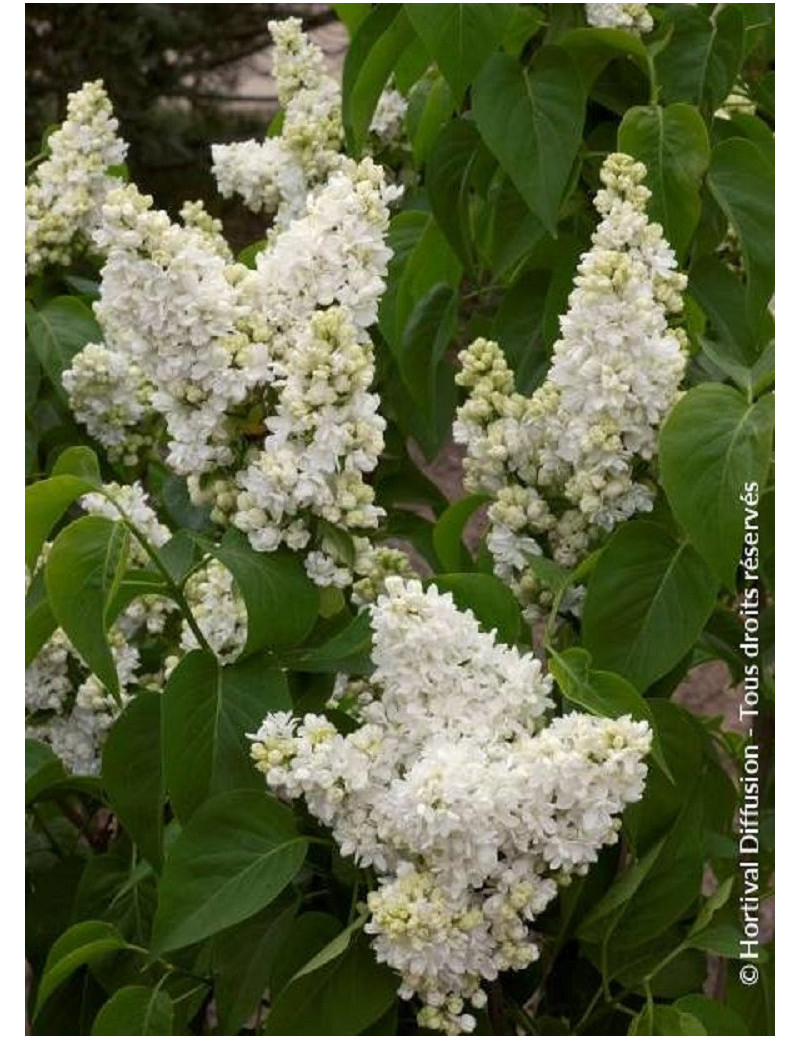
[(651, 70), (587, 1014), (475, 294), (175, 589), (353, 901), (497, 1011), (327, 842), (523, 1018), (171, 968)]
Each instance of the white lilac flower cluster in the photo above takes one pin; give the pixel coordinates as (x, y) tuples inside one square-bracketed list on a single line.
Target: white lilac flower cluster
[(65, 706), (633, 17), (274, 176), (261, 377), (110, 396), (470, 807), (66, 192), (219, 610), (561, 465)]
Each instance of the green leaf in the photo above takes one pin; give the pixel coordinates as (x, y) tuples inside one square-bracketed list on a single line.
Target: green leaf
[(551, 574), (449, 173), (517, 327), (333, 950), (237, 853), (83, 571), (525, 23), (82, 944), (743, 124), (756, 1003), (340, 998), (42, 768), (505, 227), (673, 144), (491, 602), (347, 651), (244, 958), (179, 555), (39, 620), (431, 328), (646, 603), (682, 744), (119, 888), (460, 37), (411, 65), (743, 183), (312, 932), (207, 711), (722, 296), (533, 122), (704, 55), (448, 531), (352, 15), (620, 893), (49, 894), (717, 1019), (378, 43), (430, 106), (135, 1011), (602, 693), (715, 902), (45, 504), (593, 49), (721, 938), (179, 509), (282, 602), (422, 261), (663, 1020), (712, 445), (656, 890), (58, 330), (133, 774), (33, 375), (78, 461)]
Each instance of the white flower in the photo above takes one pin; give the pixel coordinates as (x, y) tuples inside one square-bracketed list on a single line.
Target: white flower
[(260, 379), (388, 122), (109, 395), (560, 464), (276, 175), (469, 806), (66, 192), (265, 173), (633, 17), (218, 609)]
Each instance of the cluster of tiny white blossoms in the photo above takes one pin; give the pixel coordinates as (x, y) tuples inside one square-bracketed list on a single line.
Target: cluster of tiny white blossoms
[(66, 706), (260, 377), (633, 17), (65, 194), (219, 610), (470, 807), (560, 465), (317, 288), (109, 395), (274, 176)]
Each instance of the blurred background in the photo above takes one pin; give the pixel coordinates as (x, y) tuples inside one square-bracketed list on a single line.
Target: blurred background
[(180, 76)]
